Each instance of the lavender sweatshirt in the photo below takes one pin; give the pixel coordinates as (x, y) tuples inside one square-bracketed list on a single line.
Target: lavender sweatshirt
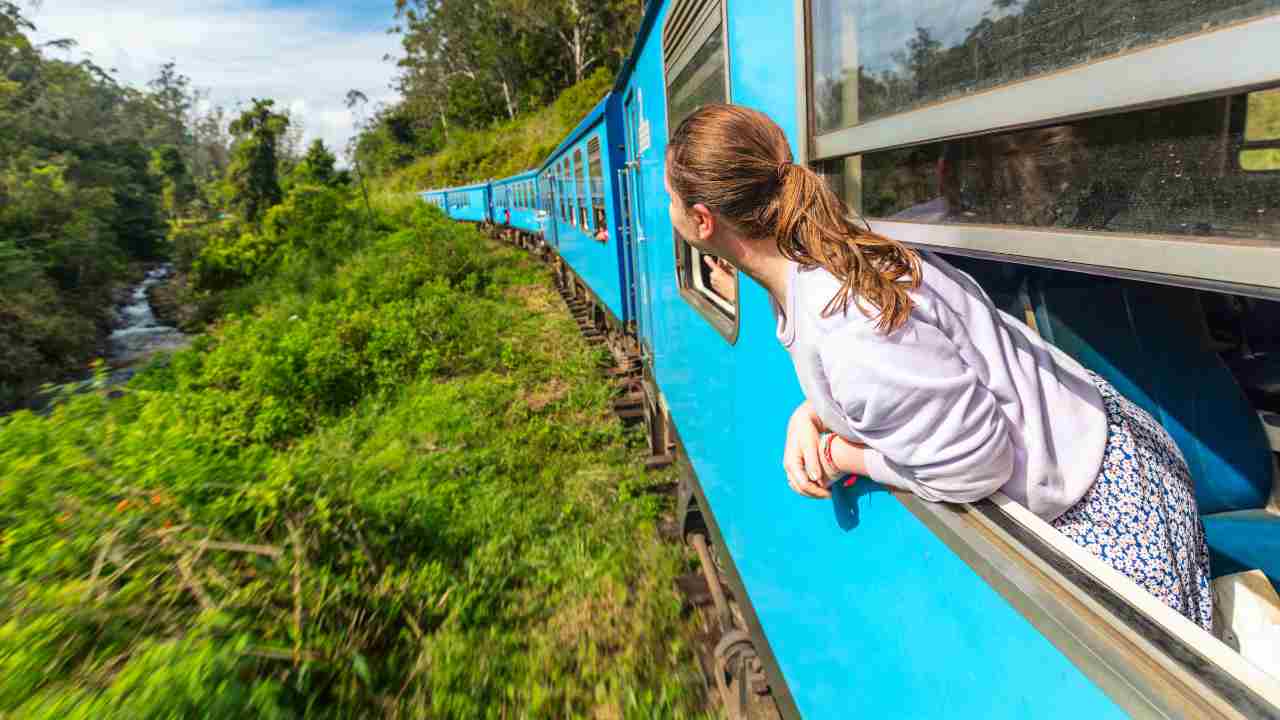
[(959, 402)]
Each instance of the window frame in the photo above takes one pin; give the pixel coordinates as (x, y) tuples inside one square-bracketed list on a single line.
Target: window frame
[(1110, 85), (698, 23)]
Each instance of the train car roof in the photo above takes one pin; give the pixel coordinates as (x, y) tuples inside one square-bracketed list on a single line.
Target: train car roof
[(651, 9), (584, 125), (523, 175), (472, 186)]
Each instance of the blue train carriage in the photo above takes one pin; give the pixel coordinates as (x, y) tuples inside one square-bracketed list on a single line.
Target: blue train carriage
[(470, 203), (439, 198), (1117, 202), (582, 212), (516, 203)]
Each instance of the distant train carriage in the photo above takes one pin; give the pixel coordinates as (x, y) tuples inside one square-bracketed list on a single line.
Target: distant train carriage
[(471, 203), (439, 198), (1110, 173), (582, 207), (515, 202)]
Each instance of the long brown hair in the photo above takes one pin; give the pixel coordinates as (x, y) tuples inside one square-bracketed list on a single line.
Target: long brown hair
[(736, 161)]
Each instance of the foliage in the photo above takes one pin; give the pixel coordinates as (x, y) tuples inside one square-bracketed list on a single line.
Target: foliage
[(394, 491), (505, 149), (470, 63), (88, 169), (317, 167), (253, 177)]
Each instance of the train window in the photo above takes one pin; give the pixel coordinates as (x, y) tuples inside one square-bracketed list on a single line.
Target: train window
[(560, 186), (580, 185), (595, 175), (1261, 149), (1166, 171), (874, 59), (570, 201), (697, 73)]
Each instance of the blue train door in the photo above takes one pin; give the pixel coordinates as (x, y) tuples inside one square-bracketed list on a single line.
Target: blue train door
[(551, 228), (633, 212)]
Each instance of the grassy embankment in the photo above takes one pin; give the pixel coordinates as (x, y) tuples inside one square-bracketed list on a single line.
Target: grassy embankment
[(391, 488)]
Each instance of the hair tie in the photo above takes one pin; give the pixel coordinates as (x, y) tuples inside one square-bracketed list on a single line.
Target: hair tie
[(781, 170)]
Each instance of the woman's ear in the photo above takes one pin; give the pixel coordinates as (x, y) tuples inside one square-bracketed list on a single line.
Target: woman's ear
[(705, 220)]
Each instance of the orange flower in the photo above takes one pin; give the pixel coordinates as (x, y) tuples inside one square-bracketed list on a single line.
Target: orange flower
[(122, 505)]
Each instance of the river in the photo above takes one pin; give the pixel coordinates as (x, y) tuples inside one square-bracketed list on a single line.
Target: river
[(138, 333)]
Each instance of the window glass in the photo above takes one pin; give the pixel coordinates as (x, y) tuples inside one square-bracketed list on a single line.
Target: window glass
[(873, 58), (709, 285), (702, 81), (1262, 132), (1164, 171)]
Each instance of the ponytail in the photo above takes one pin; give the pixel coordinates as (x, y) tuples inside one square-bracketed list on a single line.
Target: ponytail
[(736, 161), (815, 228)]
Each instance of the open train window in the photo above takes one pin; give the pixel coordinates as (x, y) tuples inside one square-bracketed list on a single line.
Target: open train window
[(1261, 149), (563, 177), (695, 60), (595, 176), (580, 186)]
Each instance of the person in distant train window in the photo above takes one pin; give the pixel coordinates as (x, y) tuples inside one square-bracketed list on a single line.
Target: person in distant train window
[(912, 376), (602, 226)]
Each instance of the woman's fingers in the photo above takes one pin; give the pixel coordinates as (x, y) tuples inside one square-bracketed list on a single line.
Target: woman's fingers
[(799, 480)]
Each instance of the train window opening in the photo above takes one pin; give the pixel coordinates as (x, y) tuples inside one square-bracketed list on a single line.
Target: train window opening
[(566, 182), (595, 176), (564, 190), (580, 186), (875, 59), (696, 68), (1162, 353), (1261, 149)]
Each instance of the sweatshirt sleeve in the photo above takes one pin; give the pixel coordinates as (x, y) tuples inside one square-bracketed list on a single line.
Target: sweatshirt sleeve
[(930, 425)]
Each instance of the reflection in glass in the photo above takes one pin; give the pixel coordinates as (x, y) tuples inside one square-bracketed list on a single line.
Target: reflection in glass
[(1165, 171), (873, 58), (1262, 132), (700, 82)]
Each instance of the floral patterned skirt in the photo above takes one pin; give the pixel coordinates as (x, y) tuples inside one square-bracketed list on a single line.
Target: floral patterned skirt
[(1140, 515)]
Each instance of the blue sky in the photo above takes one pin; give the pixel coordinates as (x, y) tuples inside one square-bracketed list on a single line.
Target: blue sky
[(305, 54)]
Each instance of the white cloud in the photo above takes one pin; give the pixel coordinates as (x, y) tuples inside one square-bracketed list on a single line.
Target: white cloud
[(305, 58)]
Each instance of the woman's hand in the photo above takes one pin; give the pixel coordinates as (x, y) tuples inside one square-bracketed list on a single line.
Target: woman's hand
[(721, 277), (801, 459)]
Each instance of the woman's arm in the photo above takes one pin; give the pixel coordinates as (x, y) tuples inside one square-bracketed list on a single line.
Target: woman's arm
[(930, 424)]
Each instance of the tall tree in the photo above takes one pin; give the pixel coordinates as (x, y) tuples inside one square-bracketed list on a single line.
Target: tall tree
[(317, 166), (255, 165)]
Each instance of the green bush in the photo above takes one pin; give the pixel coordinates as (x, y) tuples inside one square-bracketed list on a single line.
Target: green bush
[(396, 492)]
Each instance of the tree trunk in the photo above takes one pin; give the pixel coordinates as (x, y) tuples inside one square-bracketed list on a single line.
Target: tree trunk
[(506, 95)]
